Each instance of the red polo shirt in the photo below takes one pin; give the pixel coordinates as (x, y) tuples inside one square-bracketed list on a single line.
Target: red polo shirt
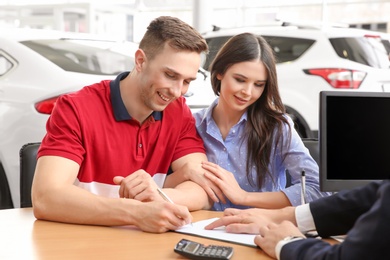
[(93, 128)]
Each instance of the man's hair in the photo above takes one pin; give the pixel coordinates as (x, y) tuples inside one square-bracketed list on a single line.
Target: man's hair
[(178, 34)]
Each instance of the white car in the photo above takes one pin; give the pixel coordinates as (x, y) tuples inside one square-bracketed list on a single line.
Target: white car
[(37, 66), (386, 42), (200, 93), (314, 60)]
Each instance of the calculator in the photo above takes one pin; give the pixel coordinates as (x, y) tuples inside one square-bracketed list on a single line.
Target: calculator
[(194, 250)]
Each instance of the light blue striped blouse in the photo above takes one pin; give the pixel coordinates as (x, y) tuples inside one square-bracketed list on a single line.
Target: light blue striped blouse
[(231, 154)]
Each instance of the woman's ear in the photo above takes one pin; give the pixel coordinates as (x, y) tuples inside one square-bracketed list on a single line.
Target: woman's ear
[(139, 59), (219, 77)]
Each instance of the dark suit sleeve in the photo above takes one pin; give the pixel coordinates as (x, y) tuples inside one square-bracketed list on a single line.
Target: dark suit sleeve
[(368, 238), (335, 215)]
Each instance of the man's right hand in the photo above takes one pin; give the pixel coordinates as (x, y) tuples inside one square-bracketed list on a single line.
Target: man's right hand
[(161, 216)]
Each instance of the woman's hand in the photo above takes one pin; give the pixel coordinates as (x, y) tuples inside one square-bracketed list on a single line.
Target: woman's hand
[(226, 182), (199, 176), (247, 224), (194, 171)]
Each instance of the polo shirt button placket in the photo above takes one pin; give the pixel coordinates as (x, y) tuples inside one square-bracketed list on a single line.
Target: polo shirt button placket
[(139, 150)]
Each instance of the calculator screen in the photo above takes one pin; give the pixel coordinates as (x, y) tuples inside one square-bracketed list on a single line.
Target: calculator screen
[(191, 247)]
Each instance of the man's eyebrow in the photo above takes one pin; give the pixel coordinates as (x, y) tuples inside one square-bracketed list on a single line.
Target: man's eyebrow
[(178, 74)]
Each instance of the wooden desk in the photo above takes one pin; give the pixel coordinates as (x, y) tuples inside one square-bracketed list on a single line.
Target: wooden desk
[(24, 237)]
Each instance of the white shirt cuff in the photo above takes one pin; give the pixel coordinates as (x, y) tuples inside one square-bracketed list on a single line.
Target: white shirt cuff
[(281, 243), (304, 218), (305, 223)]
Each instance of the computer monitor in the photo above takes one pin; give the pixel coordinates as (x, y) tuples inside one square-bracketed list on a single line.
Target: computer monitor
[(354, 138)]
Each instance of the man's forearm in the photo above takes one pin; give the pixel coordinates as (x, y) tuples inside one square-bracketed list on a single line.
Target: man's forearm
[(189, 194)]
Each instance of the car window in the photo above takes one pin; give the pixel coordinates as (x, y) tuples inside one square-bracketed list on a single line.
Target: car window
[(5, 64), (84, 56), (369, 51), (285, 48), (214, 45), (386, 43)]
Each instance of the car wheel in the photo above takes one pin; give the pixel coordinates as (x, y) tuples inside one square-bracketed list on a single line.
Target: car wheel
[(300, 124)]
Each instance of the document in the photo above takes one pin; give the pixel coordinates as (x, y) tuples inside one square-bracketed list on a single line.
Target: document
[(197, 229)]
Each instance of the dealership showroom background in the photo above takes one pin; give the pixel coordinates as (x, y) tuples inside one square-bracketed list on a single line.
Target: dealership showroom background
[(128, 19), (111, 153)]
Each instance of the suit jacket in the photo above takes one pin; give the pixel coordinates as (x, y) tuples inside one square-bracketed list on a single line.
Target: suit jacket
[(362, 213)]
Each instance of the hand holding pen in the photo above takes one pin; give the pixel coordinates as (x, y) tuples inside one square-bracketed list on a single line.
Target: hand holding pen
[(165, 197)]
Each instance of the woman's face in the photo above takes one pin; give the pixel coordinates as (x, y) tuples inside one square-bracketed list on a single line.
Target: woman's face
[(242, 84)]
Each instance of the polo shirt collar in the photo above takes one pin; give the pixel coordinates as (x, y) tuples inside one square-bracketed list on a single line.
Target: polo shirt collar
[(120, 111)]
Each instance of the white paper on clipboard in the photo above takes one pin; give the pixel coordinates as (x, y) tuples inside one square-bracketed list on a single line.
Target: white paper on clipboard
[(197, 229)]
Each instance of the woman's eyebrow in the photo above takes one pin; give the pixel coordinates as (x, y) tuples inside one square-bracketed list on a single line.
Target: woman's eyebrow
[(242, 76)]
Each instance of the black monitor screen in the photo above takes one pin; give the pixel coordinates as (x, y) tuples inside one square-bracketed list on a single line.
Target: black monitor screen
[(354, 139)]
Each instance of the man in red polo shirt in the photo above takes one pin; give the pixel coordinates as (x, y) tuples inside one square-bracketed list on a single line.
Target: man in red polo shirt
[(109, 146)]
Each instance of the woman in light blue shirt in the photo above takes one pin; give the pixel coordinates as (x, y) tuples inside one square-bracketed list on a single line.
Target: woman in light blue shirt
[(250, 141)]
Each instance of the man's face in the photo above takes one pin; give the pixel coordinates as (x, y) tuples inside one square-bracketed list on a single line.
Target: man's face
[(167, 76)]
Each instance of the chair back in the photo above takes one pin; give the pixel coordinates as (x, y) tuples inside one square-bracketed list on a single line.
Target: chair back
[(28, 161)]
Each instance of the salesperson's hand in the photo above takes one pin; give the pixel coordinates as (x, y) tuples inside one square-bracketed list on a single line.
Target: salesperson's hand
[(271, 215), (139, 186), (272, 233), (239, 224), (250, 220)]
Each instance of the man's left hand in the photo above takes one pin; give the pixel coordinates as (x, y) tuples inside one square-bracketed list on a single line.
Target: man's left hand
[(139, 186)]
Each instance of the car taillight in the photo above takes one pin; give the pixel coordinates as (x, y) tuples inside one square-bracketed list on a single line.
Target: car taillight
[(46, 106), (339, 78), (372, 36)]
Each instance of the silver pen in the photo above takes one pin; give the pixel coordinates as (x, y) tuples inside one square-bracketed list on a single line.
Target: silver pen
[(303, 186), (165, 197)]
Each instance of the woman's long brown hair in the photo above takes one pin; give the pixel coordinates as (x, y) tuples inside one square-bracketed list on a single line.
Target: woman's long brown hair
[(266, 119)]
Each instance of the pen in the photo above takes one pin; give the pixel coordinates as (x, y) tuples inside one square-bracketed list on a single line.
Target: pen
[(303, 190), (165, 197)]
